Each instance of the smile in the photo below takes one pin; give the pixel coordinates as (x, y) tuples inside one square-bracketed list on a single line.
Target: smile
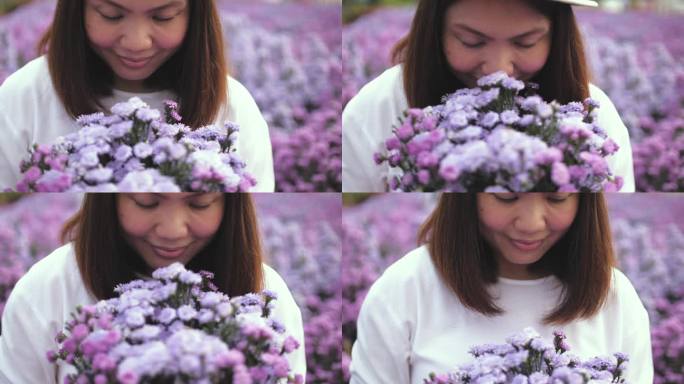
[(527, 245), (134, 63), (169, 253)]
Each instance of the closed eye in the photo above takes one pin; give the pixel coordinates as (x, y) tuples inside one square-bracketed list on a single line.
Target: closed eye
[(111, 18), (473, 45), (524, 46)]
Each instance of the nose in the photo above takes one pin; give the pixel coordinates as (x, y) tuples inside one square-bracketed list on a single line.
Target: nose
[(172, 226), (499, 59), (136, 38), (531, 218)]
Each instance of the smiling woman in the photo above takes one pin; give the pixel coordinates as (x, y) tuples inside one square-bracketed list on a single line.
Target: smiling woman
[(450, 45), (134, 39), (490, 265), (102, 52), (117, 238)]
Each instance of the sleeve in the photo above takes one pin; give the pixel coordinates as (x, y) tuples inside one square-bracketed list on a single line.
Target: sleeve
[(26, 338), (359, 171), (381, 353), (13, 146), (254, 142), (288, 313), (637, 341), (621, 162)]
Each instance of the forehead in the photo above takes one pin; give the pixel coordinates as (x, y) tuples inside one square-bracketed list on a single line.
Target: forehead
[(496, 18), (177, 196), (140, 5)]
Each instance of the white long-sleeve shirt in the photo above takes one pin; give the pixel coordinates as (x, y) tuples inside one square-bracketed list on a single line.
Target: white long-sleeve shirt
[(412, 324), (31, 112), (368, 118), (41, 303)]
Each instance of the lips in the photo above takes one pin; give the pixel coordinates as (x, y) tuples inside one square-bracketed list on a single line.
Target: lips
[(527, 245), (135, 63), (169, 253)]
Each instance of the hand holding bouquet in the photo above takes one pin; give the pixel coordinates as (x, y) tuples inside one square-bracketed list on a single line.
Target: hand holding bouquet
[(134, 150), (491, 138), (176, 328), (527, 358)]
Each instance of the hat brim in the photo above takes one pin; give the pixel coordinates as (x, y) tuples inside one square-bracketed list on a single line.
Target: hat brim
[(586, 3)]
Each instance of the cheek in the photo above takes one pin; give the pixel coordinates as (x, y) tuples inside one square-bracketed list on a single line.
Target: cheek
[(99, 34), (172, 36), (459, 59), (492, 220), (206, 226), (561, 222), (533, 61), (133, 225)]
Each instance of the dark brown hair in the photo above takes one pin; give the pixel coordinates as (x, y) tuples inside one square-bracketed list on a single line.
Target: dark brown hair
[(582, 259), (428, 76), (196, 73), (105, 259)]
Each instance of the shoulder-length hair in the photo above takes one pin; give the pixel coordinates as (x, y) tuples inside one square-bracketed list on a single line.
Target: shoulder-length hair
[(105, 259), (428, 76), (196, 73), (582, 259)]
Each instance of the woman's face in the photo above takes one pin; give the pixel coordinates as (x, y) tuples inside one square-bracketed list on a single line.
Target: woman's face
[(167, 227), (522, 227), (485, 36), (135, 37)]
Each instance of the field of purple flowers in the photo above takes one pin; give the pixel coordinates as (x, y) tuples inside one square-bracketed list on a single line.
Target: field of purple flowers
[(288, 57), (649, 244), (303, 245), (635, 57)]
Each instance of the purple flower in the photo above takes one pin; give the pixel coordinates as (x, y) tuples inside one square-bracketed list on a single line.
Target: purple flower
[(142, 150)]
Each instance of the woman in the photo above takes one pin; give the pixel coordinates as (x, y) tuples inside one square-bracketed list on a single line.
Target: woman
[(120, 237), (450, 45), (100, 52), (492, 265)]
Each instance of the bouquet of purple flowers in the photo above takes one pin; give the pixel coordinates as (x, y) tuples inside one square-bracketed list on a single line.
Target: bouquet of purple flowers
[(527, 358), (493, 138), (135, 150), (177, 328)]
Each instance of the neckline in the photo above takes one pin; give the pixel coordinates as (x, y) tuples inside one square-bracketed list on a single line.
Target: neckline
[(540, 281), (128, 93)]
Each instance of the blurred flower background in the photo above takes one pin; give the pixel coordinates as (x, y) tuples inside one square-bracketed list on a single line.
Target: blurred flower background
[(636, 56), (648, 235), (301, 239), (287, 54)]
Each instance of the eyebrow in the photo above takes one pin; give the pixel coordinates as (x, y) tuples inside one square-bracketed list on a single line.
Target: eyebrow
[(524, 34), (190, 196), (159, 8)]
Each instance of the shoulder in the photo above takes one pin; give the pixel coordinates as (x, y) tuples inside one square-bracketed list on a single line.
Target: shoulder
[(625, 299), (606, 108), (241, 106), (408, 277), (386, 91), (597, 94), (273, 281), (235, 86), (56, 270), (238, 95), (621, 286), (31, 78)]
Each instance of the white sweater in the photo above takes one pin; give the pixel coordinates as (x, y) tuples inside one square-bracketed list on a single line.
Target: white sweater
[(31, 112), (411, 324), (368, 118), (42, 301)]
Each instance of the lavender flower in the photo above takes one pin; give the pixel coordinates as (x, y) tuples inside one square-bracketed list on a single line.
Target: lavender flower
[(133, 150), (134, 337), (476, 140), (527, 358)]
